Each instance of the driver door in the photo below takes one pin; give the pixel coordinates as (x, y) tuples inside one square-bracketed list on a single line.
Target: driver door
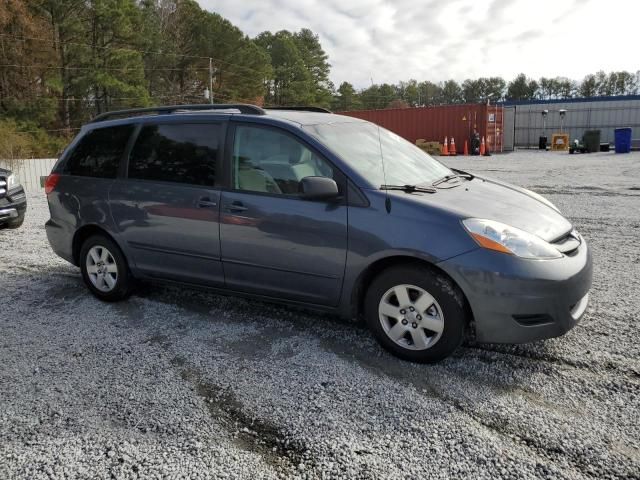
[(272, 241)]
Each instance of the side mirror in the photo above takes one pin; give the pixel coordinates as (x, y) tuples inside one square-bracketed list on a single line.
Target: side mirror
[(318, 188)]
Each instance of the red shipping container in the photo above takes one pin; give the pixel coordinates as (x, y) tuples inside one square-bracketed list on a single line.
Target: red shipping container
[(434, 123)]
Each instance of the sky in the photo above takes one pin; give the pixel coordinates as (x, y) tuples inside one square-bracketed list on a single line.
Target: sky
[(394, 40)]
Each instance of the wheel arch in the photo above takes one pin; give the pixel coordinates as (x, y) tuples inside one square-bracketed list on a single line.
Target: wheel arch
[(365, 278), (83, 234)]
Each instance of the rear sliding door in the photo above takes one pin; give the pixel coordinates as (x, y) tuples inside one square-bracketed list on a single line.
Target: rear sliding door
[(167, 208)]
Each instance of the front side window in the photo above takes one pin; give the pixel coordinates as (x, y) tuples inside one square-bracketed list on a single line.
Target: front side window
[(379, 155), (180, 153), (266, 160), (99, 152)]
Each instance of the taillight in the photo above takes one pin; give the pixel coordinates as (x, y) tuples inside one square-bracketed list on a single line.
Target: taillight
[(51, 182)]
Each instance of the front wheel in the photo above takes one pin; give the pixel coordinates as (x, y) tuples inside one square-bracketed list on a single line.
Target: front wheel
[(104, 269), (415, 313), (16, 222)]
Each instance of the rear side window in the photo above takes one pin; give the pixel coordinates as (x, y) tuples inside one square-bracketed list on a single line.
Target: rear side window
[(180, 153), (99, 152)]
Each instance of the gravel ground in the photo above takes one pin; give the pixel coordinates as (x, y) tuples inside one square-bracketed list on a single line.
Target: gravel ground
[(176, 383)]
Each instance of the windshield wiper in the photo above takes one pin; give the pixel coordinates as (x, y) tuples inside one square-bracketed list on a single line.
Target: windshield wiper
[(408, 188), (446, 178), (464, 174)]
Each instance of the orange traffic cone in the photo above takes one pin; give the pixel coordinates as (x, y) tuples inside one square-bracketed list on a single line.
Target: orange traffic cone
[(452, 148), (466, 149), (445, 149), (482, 147), (487, 153)]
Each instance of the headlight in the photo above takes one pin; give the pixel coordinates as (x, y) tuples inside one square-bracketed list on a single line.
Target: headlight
[(503, 238), (12, 181)]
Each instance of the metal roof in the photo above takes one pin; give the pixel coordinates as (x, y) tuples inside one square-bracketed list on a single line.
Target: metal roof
[(609, 98)]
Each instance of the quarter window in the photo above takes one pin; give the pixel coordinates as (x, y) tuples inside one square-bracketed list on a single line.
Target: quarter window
[(265, 160), (181, 153), (99, 152)]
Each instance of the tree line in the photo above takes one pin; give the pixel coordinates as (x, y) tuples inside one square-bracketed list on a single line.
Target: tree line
[(494, 89), (64, 61)]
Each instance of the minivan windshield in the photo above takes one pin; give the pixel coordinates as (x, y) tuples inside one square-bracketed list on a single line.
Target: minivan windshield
[(380, 156)]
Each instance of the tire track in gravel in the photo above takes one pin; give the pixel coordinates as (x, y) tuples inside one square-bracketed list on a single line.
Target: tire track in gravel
[(539, 446), (261, 437), (247, 432), (429, 387), (591, 365)]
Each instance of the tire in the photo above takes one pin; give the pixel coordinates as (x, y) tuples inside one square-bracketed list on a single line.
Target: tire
[(16, 222), (433, 329), (104, 269)]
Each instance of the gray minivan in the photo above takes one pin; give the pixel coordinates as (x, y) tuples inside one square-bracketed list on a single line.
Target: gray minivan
[(327, 211)]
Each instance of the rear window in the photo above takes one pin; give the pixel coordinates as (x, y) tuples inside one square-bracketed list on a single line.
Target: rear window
[(99, 152), (180, 153)]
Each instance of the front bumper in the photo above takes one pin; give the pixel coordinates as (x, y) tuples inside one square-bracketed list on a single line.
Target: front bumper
[(515, 300), (8, 213), (13, 205)]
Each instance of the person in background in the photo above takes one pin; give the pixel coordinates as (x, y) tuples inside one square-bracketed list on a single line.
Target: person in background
[(475, 143)]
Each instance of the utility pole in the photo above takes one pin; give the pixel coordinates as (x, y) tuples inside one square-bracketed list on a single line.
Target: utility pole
[(210, 80)]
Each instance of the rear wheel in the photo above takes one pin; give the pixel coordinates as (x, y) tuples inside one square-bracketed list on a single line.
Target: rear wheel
[(104, 269), (415, 313)]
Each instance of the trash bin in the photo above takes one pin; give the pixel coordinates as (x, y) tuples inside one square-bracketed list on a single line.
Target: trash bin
[(542, 143), (623, 140), (591, 140)]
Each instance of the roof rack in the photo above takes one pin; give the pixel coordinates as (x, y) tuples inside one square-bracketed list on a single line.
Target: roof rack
[(301, 109), (241, 107)]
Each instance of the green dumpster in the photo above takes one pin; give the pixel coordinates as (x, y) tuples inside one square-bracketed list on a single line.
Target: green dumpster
[(591, 139)]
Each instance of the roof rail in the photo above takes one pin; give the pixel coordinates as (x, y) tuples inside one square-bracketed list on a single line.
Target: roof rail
[(241, 107), (301, 109)]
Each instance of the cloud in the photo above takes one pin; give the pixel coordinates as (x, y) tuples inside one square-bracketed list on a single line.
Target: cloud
[(528, 36), (393, 40)]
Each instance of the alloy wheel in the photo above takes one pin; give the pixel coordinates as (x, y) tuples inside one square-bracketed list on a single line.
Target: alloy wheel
[(411, 317), (102, 269)]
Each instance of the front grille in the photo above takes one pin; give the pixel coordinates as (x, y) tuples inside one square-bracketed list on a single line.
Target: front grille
[(3, 187), (569, 243)]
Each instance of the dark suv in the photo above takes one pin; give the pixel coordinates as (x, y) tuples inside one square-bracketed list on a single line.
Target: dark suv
[(13, 201), (316, 209)]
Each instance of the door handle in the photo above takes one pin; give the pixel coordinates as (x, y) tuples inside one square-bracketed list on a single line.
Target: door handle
[(205, 202), (235, 207)]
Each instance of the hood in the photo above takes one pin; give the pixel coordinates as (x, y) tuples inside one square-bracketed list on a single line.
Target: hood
[(496, 200)]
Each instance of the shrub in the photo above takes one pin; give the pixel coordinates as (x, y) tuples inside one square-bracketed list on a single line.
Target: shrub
[(20, 140)]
